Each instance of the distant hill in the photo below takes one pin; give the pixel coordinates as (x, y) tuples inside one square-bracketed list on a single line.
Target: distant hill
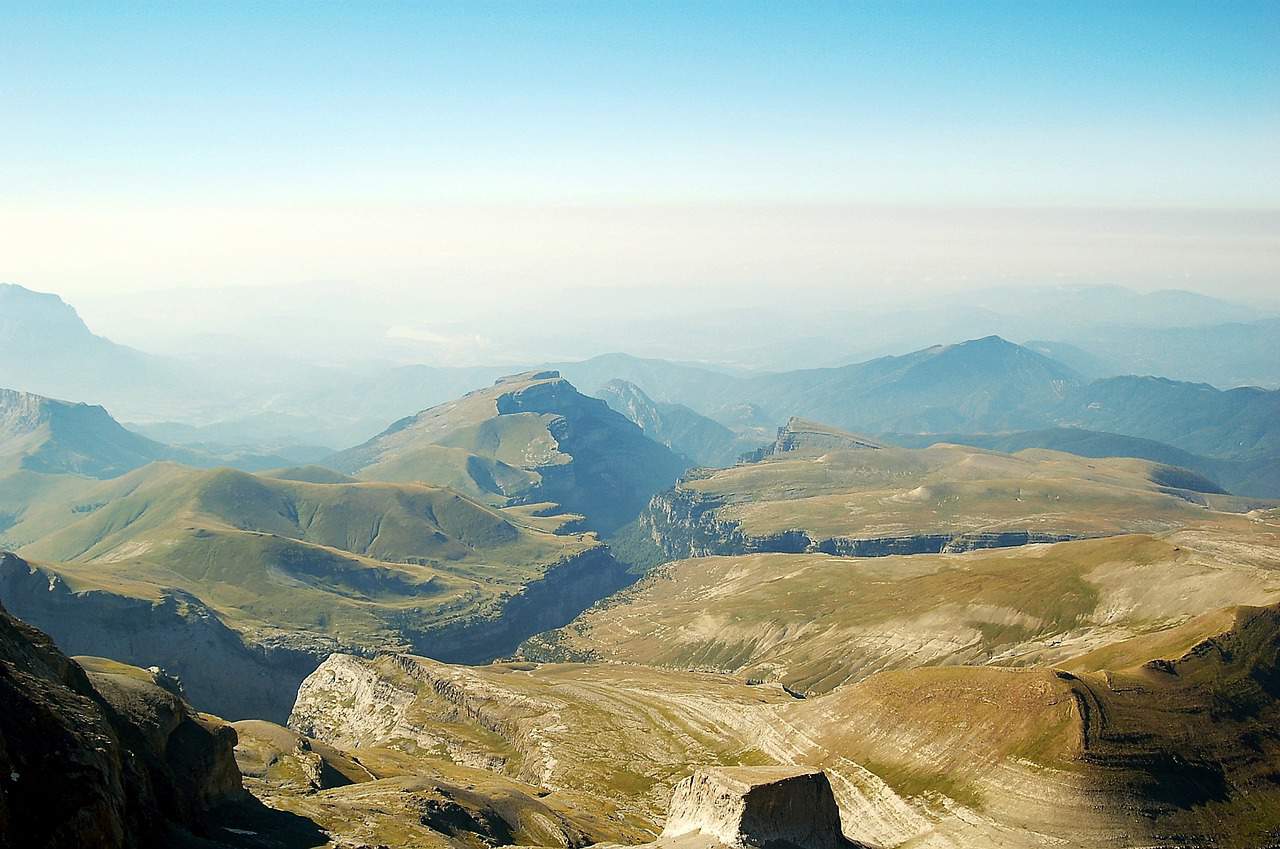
[(704, 441), (991, 385), (46, 348), (49, 436), (45, 435), (985, 383), (1242, 352), (1260, 479), (528, 438), (1239, 423)]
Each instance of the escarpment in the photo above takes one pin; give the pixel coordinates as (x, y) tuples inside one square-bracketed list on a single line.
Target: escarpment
[(757, 807), (109, 757), (221, 671), (686, 523)]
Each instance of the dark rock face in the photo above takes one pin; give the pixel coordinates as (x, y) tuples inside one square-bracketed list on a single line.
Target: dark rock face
[(703, 441), (131, 766)]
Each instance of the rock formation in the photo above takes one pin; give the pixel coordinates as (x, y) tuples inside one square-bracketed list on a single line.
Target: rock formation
[(109, 758), (757, 807)]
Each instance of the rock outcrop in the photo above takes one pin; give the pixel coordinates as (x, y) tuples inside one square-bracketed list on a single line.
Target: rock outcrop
[(757, 807), (801, 435), (111, 758)]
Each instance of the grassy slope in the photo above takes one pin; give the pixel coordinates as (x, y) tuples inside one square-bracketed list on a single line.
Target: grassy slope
[(945, 489), (816, 622), (1180, 749), (341, 559), (530, 437)]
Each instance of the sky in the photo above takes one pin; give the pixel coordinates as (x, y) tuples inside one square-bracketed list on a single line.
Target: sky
[(476, 147)]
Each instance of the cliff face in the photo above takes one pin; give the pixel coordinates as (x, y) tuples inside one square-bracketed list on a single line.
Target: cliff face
[(221, 673), (106, 759), (684, 523), (564, 591), (757, 807)]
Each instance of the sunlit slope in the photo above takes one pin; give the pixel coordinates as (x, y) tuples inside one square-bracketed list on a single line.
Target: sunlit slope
[(289, 553), (1179, 750), (529, 437), (294, 569), (816, 494), (814, 621)]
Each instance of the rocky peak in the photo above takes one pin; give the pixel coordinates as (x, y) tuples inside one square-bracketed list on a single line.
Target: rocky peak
[(757, 807), (802, 435)]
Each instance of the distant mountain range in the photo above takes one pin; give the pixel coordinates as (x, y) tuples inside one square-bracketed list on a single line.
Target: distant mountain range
[(287, 412)]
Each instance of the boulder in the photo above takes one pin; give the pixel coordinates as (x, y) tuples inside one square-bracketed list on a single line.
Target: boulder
[(757, 807)]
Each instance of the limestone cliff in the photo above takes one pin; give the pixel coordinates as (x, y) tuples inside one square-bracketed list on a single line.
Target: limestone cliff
[(757, 807)]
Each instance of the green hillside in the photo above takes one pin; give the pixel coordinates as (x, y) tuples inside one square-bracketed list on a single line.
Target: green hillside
[(308, 567), (818, 489), (528, 438)]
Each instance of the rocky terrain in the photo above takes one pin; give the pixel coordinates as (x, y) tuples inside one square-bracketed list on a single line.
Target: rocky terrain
[(96, 753), (756, 806), (530, 437), (1136, 743), (815, 622)]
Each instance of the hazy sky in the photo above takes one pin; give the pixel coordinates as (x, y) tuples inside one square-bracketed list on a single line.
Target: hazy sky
[(519, 144)]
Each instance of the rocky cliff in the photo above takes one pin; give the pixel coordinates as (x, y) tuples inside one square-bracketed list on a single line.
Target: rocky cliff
[(221, 672), (757, 807), (685, 523), (112, 757)]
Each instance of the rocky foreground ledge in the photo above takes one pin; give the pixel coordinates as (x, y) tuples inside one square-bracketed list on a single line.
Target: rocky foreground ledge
[(755, 807)]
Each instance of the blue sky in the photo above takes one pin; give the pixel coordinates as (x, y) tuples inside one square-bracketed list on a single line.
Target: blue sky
[(127, 115), (1001, 103)]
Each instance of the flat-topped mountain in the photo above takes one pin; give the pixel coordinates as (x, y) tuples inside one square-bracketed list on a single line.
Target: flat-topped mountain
[(530, 437), (241, 584), (821, 489)]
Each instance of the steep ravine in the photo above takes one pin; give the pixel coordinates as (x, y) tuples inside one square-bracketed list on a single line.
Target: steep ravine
[(683, 523), (257, 676)]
